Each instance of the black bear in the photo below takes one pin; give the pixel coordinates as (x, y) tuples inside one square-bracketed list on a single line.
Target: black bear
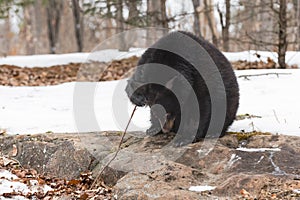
[(143, 90)]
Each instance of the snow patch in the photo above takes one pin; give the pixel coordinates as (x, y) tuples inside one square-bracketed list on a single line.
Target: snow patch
[(48, 60), (7, 186), (296, 191), (260, 159), (9, 183), (30, 110), (4, 174), (44, 60), (277, 170), (200, 188), (258, 149), (234, 158), (292, 57)]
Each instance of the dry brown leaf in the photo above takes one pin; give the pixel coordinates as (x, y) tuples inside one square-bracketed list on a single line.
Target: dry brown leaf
[(245, 193), (74, 182), (2, 131), (7, 161), (84, 196), (19, 173)]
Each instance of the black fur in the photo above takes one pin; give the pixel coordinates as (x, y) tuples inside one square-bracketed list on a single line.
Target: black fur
[(151, 94)]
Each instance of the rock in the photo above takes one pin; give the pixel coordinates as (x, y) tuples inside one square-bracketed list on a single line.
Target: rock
[(49, 156), (57, 155), (264, 186), (168, 183), (227, 168), (267, 166)]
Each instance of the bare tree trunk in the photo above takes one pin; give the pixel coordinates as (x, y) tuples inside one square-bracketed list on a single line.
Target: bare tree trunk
[(120, 19), (54, 9), (152, 21), (225, 25), (156, 12), (28, 30), (5, 42), (156, 18), (151, 13), (298, 24), (133, 12), (108, 20), (207, 12), (40, 16), (163, 13), (133, 20), (78, 23), (282, 34), (120, 25), (197, 30)]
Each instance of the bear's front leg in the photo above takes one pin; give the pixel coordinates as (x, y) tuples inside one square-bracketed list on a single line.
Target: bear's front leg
[(155, 127), (187, 133)]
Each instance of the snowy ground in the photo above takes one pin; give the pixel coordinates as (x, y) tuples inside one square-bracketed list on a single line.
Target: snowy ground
[(47, 60), (272, 98), (11, 184), (28, 110)]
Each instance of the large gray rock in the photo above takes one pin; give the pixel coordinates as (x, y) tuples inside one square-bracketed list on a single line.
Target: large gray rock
[(267, 166), (57, 155)]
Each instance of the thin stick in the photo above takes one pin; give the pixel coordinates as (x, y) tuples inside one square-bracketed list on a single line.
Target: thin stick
[(119, 148), (276, 117), (264, 74)]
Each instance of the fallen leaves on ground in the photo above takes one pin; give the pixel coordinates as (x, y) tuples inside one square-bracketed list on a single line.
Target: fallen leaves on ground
[(270, 64), (16, 181), (95, 71), (40, 76)]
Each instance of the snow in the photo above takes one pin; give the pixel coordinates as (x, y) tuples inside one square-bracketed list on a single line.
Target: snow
[(84, 107), (234, 158), (292, 57), (273, 99), (296, 191), (257, 149), (7, 186), (9, 183), (32, 110), (4, 174), (14, 197), (200, 188), (47, 60)]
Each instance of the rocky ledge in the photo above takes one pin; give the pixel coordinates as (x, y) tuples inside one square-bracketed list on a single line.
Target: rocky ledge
[(258, 167)]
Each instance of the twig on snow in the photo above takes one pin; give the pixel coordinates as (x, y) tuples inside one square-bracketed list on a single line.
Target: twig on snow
[(263, 74)]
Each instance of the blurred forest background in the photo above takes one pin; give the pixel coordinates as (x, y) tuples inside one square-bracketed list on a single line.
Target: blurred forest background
[(61, 26)]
